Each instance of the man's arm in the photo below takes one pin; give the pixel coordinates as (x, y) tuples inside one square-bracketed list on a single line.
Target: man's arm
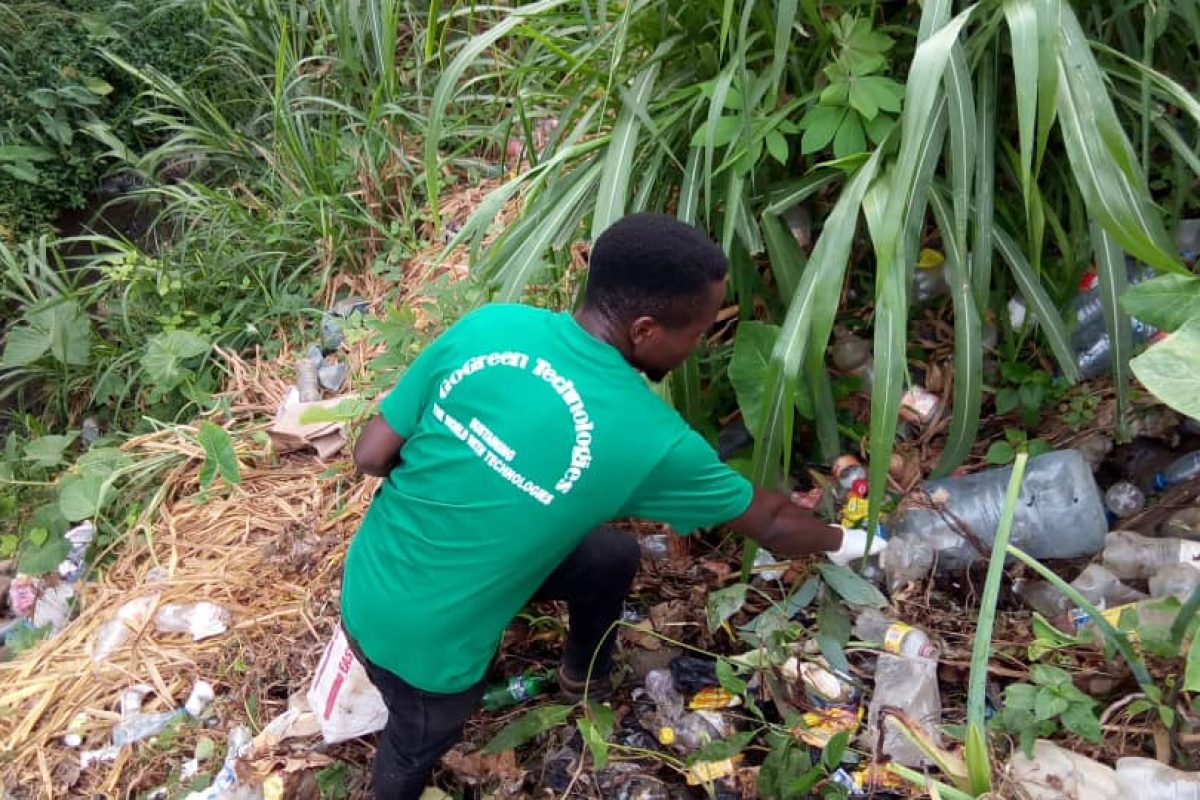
[(787, 530), (377, 451)]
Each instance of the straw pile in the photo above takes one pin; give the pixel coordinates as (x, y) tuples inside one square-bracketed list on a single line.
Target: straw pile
[(268, 550)]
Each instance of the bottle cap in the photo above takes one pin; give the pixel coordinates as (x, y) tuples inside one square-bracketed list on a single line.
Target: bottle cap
[(860, 487), (666, 735), (1160, 482)]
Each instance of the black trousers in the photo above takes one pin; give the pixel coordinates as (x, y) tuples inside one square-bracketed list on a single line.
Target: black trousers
[(594, 581)]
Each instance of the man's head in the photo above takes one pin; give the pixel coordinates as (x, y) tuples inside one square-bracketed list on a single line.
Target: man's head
[(659, 284)]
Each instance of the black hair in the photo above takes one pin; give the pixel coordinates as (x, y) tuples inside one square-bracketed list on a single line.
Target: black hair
[(652, 265)]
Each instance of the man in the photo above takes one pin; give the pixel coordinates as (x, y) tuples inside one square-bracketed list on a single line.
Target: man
[(505, 447)]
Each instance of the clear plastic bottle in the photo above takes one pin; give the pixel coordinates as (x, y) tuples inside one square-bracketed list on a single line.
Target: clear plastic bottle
[(852, 354), (1060, 513), (897, 637), (1183, 524), (1102, 588), (306, 381), (909, 685), (1181, 469), (1044, 598), (1124, 499), (1147, 779), (1132, 556), (1093, 347), (906, 561), (1175, 580), (1088, 306), (929, 277), (676, 727)]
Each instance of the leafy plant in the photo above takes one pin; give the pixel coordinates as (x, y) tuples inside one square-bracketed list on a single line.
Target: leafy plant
[(1029, 391), (860, 101), (1035, 710), (1015, 442)]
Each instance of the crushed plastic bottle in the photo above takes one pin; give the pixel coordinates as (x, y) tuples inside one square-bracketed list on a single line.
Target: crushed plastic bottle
[(909, 685), (674, 726), (1175, 580), (897, 637), (1147, 779), (1180, 470), (332, 377), (1102, 588), (851, 354), (136, 724), (201, 620), (1044, 598), (1132, 556), (1059, 513), (1123, 499), (906, 561)]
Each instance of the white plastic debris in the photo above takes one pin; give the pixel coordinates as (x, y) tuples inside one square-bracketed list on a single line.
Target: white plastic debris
[(297, 722), (202, 694), (1057, 774), (763, 558), (104, 755), (1147, 779), (201, 620), (74, 735), (345, 701), (226, 781), (130, 617), (54, 607)]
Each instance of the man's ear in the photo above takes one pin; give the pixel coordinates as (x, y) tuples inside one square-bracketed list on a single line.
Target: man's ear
[(643, 329)]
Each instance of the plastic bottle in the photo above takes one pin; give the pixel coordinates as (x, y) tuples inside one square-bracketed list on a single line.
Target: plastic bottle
[(1093, 347), (1044, 598), (685, 731), (1181, 469), (852, 354), (1124, 499), (906, 561), (1132, 556), (847, 471), (1184, 524), (873, 625), (1175, 580), (929, 277), (1059, 513), (201, 620), (1102, 588), (1088, 306), (306, 381), (517, 689), (1187, 239), (909, 685), (1147, 779)]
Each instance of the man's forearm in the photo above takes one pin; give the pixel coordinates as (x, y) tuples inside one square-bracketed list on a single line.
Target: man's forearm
[(784, 528)]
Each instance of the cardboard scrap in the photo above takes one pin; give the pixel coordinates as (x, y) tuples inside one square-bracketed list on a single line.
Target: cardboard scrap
[(288, 434)]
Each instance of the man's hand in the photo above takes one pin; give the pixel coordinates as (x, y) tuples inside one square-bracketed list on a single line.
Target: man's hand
[(854, 546), (787, 530), (377, 451)]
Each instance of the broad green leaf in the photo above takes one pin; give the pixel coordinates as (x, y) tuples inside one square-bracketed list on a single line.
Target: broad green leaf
[(69, 330), (1113, 281), (831, 757), (723, 604), (1102, 160), (44, 558), (784, 253), (219, 455), (527, 726), (1048, 704), (850, 586), (820, 126), (748, 369), (619, 157), (103, 461), (979, 762), (1020, 696), (20, 152), (347, 410), (97, 86), (968, 345), (1081, 720), (1191, 680), (596, 742), (728, 679), (722, 749), (1170, 369), (165, 355), (1166, 302), (833, 631), (22, 171), (962, 129), (80, 497), (47, 451)]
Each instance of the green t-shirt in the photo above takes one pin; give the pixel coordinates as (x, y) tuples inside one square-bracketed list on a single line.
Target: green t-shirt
[(523, 432)]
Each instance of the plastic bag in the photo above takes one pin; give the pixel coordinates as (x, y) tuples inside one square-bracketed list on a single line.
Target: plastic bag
[(345, 701)]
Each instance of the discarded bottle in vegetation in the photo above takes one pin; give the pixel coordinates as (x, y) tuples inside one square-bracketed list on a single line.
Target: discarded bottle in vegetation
[(1093, 347), (823, 687), (1124, 499), (1044, 598), (1147, 779), (517, 690), (1055, 772), (1059, 514), (306, 380), (1175, 580), (908, 685), (1187, 239), (1088, 305), (906, 561), (1101, 587), (1182, 469), (847, 471), (1132, 556), (136, 725), (873, 625), (851, 354), (929, 277), (676, 727), (1184, 524)]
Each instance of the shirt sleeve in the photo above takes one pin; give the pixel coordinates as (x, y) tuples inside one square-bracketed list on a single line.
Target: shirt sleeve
[(691, 488), (406, 402)]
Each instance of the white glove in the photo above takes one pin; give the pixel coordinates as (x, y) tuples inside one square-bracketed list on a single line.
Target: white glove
[(854, 546)]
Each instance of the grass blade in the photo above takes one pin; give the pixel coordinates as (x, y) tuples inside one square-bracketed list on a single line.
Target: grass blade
[(968, 350), (1049, 13), (981, 779), (1110, 268), (1022, 20), (1039, 304), (985, 182), (619, 160), (962, 125), (689, 190)]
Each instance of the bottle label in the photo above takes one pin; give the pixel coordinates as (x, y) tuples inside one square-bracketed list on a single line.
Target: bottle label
[(519, 688), (894, 637)]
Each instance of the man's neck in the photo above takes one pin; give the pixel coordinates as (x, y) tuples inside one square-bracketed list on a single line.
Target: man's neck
[(602, 328)]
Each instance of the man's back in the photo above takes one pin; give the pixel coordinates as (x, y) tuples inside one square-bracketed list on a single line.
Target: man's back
[(522, 433)]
